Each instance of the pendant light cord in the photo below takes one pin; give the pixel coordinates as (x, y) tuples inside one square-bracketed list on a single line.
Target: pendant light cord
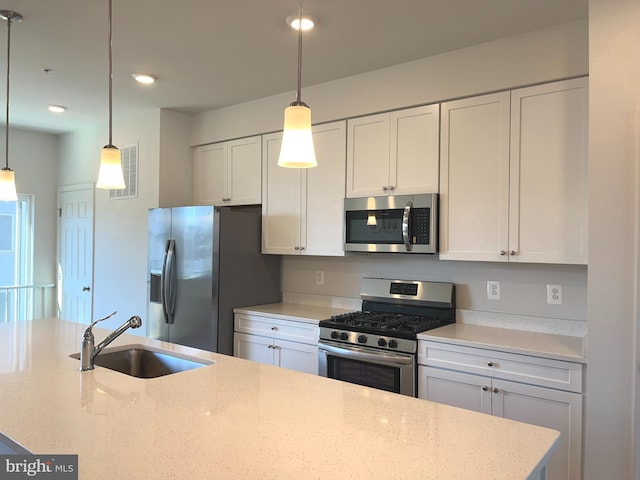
[(110, 82), (6, 130), (298, 91)]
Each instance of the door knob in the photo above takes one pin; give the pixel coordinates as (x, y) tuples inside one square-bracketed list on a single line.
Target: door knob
[(86, 289)]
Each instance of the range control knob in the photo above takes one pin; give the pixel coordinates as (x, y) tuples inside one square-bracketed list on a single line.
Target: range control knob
[(393, 344), (344, 336), (362, 339), (334, 334), (382, 342)]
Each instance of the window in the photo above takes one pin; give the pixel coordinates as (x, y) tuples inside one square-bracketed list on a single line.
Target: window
[(16, 258)]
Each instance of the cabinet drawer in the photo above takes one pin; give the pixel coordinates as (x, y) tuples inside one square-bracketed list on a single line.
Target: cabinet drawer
[(509, 366), (277, 328)]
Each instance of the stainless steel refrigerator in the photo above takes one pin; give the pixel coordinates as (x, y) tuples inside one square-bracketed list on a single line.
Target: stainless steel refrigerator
[(204, 262)]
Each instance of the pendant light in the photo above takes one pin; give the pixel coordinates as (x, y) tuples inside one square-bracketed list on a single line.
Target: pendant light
[(110, 175), (8, 191), (297, 140)]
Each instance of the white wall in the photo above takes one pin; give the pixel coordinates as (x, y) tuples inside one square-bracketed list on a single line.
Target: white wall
[(614, 88), (120, 238), (176, 160), (539, 56), (33, 157)]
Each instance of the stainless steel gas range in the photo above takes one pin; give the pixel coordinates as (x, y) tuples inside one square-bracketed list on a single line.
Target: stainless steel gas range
[(377, 346)]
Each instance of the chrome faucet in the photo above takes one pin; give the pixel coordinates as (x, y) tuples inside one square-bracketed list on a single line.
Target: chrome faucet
[(88, 352)]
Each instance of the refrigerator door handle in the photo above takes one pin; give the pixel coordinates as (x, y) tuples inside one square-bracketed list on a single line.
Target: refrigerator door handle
[(168, 282)]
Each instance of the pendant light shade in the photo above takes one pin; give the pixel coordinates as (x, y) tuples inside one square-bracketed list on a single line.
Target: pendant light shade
[(110, 175), (8, 191), (297, 140)]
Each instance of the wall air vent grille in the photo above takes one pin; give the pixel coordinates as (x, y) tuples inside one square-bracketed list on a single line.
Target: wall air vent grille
[(129, 156)]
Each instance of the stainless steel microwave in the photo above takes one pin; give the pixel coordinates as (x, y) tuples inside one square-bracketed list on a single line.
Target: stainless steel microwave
[(398, 224)]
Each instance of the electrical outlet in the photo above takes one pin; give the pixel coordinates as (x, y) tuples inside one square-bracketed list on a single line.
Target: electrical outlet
[(319, 277), (554, 294), (493, 290)]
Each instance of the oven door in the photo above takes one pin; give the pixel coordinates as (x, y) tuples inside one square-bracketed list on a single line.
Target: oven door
[(385, 370)]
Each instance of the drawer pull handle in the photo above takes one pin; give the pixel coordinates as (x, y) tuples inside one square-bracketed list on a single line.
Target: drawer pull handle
[(485, 388), (489, 364)]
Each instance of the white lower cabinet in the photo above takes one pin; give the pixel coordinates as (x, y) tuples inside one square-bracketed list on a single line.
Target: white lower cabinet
[(520, 398), (274, 341)]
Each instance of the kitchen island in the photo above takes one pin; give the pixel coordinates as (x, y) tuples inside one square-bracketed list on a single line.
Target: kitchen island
[(237, 419)]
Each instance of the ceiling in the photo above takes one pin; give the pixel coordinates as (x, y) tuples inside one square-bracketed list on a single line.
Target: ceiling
[(212, 53)]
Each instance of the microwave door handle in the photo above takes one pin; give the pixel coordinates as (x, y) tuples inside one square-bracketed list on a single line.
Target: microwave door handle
[(405, 226)]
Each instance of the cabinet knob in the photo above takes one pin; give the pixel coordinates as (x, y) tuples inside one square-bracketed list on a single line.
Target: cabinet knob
[(302, 248), (489, 364), (296, 247), (384, 188), (270, 346), (502, 252), (391, 188), (485, 388), (274, 328), (495, 390), (512, 252), (86, 289)]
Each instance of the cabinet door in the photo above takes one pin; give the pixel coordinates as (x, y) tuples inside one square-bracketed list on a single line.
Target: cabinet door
[(368, 156), (244, 180), (322, 206), (414, 152), (253, 347), (210, 174), (472, 392), (549, 173), (281, 192), (549, 408), (474, 178), (296, 356)]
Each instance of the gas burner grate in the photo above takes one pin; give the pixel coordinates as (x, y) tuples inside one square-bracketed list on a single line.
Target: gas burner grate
[(385, 323)]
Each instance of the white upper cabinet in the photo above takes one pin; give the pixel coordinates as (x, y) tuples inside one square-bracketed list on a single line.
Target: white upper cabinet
[(302, 209), (513, 175), (393, 153), (548, 209), (474, 178), (229, 173)]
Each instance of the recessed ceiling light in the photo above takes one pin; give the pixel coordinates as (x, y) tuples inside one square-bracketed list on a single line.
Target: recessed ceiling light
[(57, 108), (308, 22), (145, 78)]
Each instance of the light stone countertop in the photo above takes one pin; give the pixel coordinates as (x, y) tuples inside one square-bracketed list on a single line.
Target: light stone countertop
[(238, 419), (294, 311), (547, 345)]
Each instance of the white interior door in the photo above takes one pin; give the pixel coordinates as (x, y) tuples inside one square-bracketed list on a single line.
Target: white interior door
[(75, 253)]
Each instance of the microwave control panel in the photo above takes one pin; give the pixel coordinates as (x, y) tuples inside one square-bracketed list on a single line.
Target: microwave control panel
[(420, 226)]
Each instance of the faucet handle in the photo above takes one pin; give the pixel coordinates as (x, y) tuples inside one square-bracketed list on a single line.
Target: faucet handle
[(101, 319)]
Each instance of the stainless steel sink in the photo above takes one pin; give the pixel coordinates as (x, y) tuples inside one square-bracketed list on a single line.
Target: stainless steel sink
[(143, 362)]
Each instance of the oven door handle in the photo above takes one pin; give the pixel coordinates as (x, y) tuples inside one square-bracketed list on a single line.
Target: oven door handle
[(405, 225), (376, 356)]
